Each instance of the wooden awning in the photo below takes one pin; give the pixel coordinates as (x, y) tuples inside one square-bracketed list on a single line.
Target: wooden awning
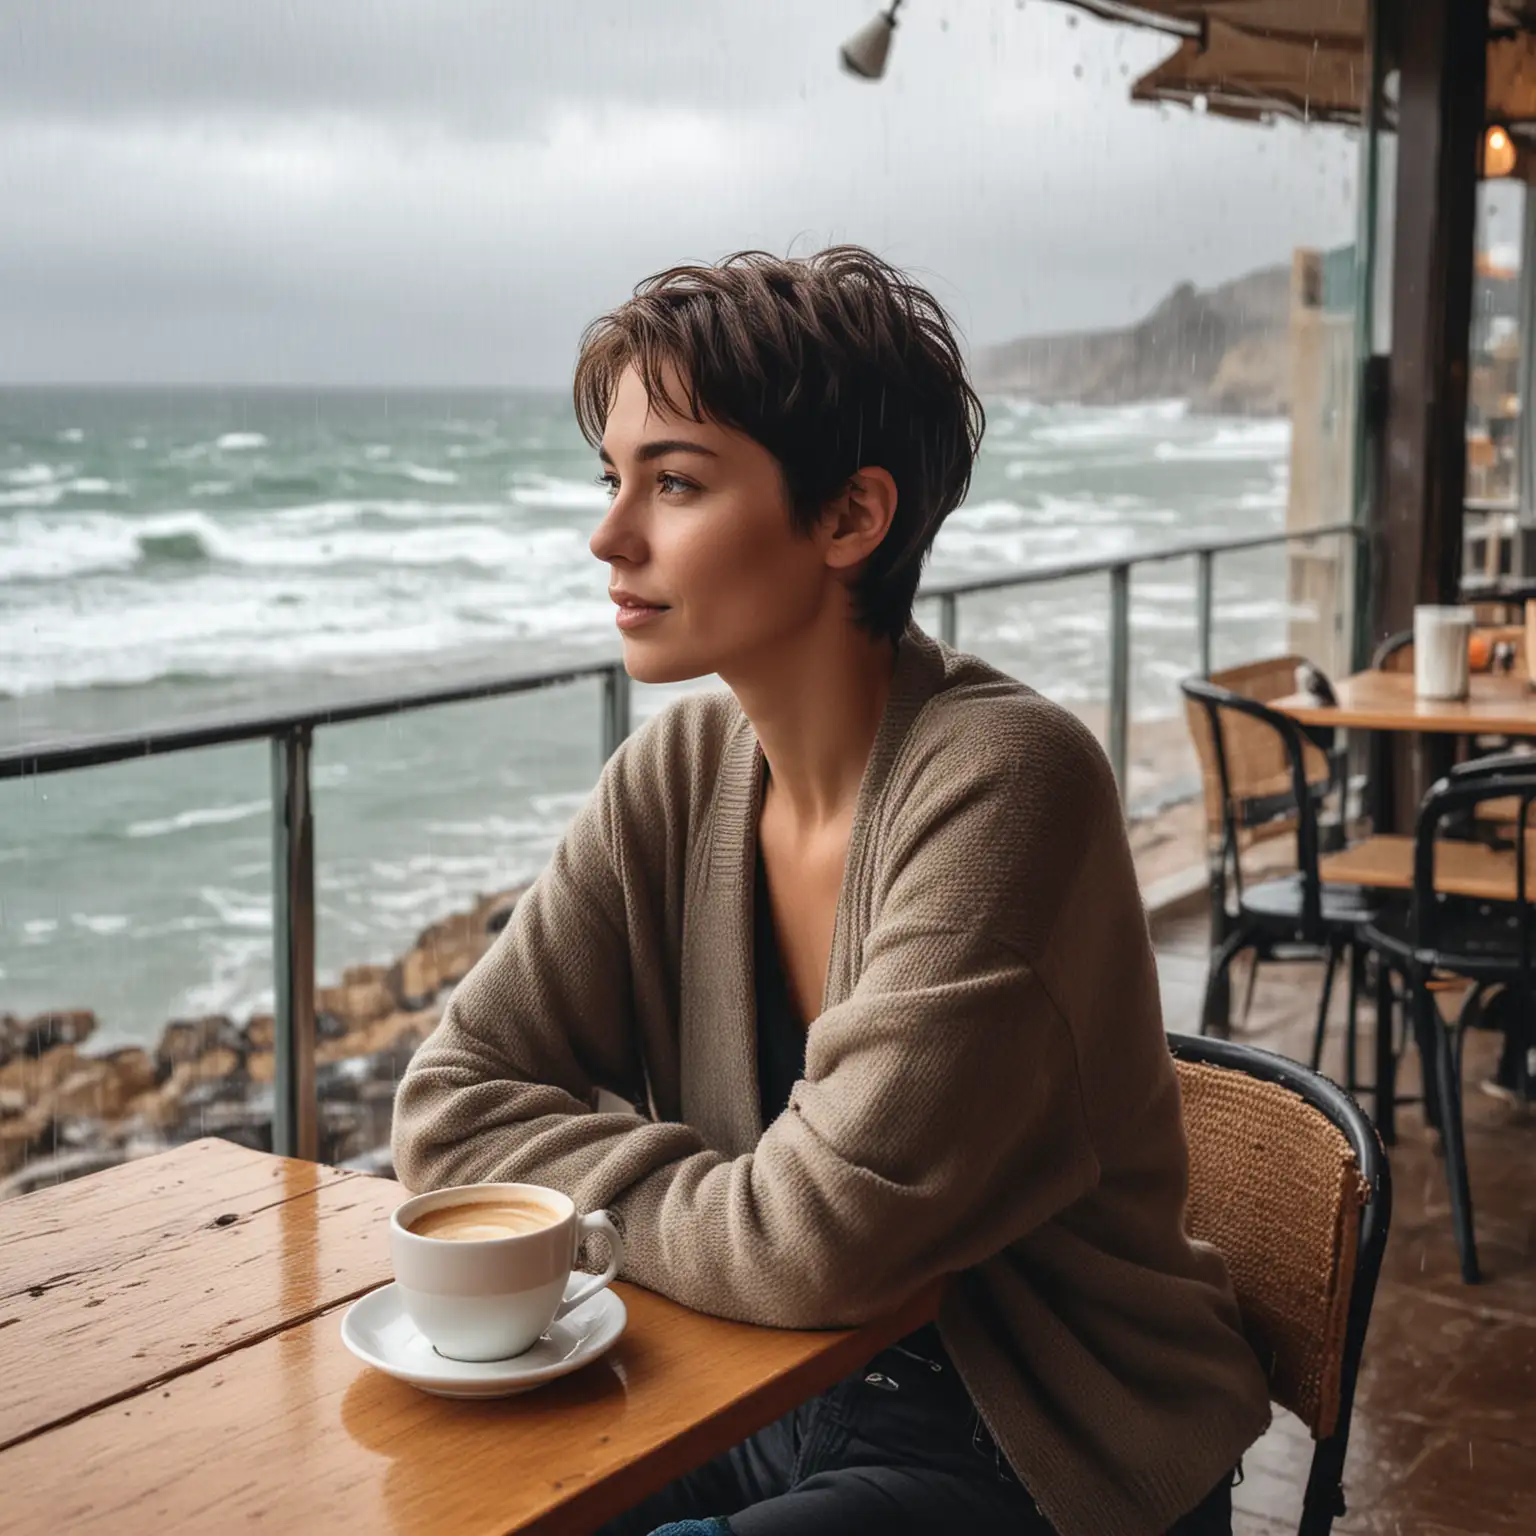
[(1306, 59), (1238, 73)]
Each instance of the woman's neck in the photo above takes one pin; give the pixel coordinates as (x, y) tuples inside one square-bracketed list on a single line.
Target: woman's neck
[(816, 705)]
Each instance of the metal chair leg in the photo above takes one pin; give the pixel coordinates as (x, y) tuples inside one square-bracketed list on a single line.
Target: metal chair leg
[(1426, 1026), (1386, 1054), (1448, 1084), (1215, 1013), (1352, 1017), (1322, 1007), (1253, 981)]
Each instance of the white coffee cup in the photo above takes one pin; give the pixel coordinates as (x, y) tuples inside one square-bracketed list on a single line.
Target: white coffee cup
[(1440, 666), (490, 1298)]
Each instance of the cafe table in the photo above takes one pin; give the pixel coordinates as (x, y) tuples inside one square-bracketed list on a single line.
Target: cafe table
[(171, 1360), (1499, 704)]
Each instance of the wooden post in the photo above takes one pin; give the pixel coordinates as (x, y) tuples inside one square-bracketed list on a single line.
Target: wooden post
[(1442, 64), (1416, 549)]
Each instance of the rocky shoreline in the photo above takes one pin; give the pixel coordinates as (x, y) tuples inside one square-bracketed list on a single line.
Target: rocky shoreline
[(65, 1112)]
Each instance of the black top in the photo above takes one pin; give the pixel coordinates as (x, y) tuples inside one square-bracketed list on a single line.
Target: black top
[(780, 1031), (781, 1064)]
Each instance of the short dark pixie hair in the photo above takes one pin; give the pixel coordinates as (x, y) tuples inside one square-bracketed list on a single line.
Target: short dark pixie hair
[(833, 362)]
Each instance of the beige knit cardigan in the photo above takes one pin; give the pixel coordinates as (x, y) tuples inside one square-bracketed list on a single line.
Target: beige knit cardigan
[(987, 1090)]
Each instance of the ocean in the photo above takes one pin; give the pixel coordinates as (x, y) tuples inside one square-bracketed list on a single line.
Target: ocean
[(167, 555)]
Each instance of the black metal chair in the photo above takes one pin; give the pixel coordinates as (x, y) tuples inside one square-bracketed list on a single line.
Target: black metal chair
[(1290, 917), (1395, 653), (1487, 943), (1288, 1178)]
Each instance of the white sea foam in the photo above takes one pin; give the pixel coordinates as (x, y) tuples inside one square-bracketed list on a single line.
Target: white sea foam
[(982, 516), (237, 909), (423, 475), (104, 923), (1035, 469), (339, 514), (240, 442), (1147, 419), (548, 491), (201, 816), (1264, 439), (31, 474), (33, 496), (240, 966), (314, 537)]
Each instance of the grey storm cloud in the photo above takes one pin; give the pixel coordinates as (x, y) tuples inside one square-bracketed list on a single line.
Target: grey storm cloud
[(372, 191)]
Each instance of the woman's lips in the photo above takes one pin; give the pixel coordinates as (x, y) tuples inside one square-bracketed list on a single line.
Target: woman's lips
[(634, 614)]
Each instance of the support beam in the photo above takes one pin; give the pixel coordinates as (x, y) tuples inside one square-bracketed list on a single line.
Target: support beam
[(1442, 62), (295, 1109)]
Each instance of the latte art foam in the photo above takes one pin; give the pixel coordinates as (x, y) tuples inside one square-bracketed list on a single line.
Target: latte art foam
[(478, 1221)]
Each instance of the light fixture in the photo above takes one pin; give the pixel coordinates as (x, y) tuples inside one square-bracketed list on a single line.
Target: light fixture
[(864, 54), (1499, 153)]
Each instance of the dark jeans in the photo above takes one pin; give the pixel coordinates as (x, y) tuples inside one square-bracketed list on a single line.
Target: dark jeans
[(896, 1448)]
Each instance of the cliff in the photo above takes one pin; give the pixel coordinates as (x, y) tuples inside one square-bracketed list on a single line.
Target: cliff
[(1222, 348)]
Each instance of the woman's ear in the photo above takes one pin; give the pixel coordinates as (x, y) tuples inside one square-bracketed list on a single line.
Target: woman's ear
[(859, 517)]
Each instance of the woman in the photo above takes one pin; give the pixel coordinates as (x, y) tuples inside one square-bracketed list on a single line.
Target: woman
[(862, 940)]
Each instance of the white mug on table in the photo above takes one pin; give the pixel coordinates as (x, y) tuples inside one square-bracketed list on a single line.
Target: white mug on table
[(483, 1295), (1440, 663)]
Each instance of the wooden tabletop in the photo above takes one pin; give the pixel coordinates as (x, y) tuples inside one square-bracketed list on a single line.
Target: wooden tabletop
[(1500, 704), (171, 1359), (1385, 863)]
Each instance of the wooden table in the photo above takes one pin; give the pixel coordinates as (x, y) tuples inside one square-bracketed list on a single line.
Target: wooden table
[(1500, 704), (1385, 863), (171, 1360)]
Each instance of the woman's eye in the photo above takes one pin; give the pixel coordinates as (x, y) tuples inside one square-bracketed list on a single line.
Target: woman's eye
[(673, 485), (610, 483)]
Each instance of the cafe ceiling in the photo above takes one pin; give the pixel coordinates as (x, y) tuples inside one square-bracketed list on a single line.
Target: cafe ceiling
[(1305, 59)]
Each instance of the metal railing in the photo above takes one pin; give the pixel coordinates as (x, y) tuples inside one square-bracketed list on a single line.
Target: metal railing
[(295, 1110)]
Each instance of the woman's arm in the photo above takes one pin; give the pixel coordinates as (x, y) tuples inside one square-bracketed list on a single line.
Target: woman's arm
[(940, 1118)]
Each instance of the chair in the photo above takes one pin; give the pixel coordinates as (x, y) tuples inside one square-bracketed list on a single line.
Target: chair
[(1292, 916), (1264, 809), (1436, 937), (1288, 1178), (1395, 653)]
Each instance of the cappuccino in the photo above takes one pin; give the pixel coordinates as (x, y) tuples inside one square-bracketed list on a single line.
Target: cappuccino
[(477, 1221)]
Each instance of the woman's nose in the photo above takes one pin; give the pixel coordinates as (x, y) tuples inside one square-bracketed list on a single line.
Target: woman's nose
[(616, 537)]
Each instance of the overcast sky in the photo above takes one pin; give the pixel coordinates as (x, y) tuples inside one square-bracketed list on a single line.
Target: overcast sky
[(445, 191)]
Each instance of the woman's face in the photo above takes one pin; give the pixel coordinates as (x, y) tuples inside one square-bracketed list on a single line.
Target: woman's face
[(706, 570)]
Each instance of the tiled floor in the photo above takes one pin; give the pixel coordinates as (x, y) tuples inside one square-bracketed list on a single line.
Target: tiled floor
[(1444, 1439)]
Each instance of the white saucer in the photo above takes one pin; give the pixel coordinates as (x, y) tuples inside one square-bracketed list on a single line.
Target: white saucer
[(379, 1333)]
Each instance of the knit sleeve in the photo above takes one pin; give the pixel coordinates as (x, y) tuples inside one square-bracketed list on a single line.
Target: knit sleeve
[(939, 1120), (505, 1087)]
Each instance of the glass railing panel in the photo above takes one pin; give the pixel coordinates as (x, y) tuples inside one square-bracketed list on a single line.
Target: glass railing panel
[(427, 827), (135, 961)]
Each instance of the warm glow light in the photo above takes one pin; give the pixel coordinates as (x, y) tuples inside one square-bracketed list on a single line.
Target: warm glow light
[(1498, 152)]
